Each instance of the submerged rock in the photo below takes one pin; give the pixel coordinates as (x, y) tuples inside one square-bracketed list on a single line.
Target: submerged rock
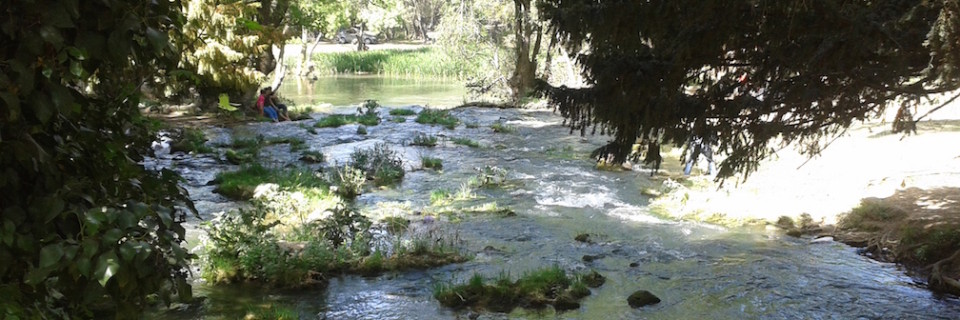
[(591, 258), (565, 302), (642, 298), (583, 237), (594, 279)]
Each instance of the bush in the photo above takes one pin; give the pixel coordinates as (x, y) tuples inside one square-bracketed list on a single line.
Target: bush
[(441, 117), (348, 181), (361, 130), (380, 163), (424, 140), (871, 215)]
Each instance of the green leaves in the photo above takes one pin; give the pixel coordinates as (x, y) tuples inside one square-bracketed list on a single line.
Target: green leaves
[(50, 255)]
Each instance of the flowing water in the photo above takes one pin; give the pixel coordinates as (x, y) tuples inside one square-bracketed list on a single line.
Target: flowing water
[(697, 270)]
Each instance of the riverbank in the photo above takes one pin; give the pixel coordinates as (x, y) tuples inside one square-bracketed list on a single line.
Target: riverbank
[(893, 195)]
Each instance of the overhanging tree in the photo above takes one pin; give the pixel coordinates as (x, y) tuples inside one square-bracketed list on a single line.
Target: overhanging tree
[(83, 226), (755, 73)]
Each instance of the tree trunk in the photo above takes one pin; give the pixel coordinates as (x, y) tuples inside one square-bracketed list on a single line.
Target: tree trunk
[(360, 45), (280, 72), (302, 65), (526, 67)]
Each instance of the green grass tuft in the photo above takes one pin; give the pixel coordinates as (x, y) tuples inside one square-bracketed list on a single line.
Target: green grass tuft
[(402, 112), (466, 142), (431, 163), (424, 140), (441, 117), (500, 127), (240, 184), (337, 120)]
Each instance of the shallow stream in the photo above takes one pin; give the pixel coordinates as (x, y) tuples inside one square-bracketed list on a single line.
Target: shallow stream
[(697, 270)]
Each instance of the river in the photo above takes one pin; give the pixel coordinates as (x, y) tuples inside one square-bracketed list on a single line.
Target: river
[(697, 270)]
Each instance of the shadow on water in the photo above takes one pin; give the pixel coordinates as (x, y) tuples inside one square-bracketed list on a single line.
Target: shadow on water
[(557, 193)]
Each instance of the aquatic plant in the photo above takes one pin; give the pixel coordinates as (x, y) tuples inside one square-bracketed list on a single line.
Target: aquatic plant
[(431, 163), (402, 112), (500, 127), (240, 184), (466, 142), (441, 117), (189, 140), (535, 289), (426, 62), (337, 120), (380, 163), (489, 176), (424, 140), (348, 181)]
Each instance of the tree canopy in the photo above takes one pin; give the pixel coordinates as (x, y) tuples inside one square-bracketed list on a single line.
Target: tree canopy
[(755, 73)]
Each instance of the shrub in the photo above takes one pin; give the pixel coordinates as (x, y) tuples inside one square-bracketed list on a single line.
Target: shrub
[(312, 156), (402, 112), (871, 215), (424, 140), (348, 181), (380, 163), (441, 117), (361, 130)]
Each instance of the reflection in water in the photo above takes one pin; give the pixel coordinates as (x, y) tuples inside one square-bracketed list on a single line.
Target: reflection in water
[(348, 90)]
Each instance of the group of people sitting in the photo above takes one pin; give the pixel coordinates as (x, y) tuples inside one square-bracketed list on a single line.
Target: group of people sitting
[(268, 106)]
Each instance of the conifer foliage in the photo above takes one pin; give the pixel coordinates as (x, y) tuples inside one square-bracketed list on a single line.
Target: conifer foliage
[(750, 72)]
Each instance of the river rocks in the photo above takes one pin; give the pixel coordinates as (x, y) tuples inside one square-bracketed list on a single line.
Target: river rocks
[(583, 237), (311, 158), (642, 298), (590, 258), (565, 302), (594, 279)]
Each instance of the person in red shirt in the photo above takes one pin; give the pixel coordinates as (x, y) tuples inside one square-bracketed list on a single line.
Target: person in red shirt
[(264, 108)]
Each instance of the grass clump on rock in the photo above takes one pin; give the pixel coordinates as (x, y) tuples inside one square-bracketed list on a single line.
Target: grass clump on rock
[(441, 117), (536, 289), (190, 140), (241, 184), (380, 163), (402, 112), (337, 120), (424, 140), (431, 163), (500, 127), (466, 142)]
